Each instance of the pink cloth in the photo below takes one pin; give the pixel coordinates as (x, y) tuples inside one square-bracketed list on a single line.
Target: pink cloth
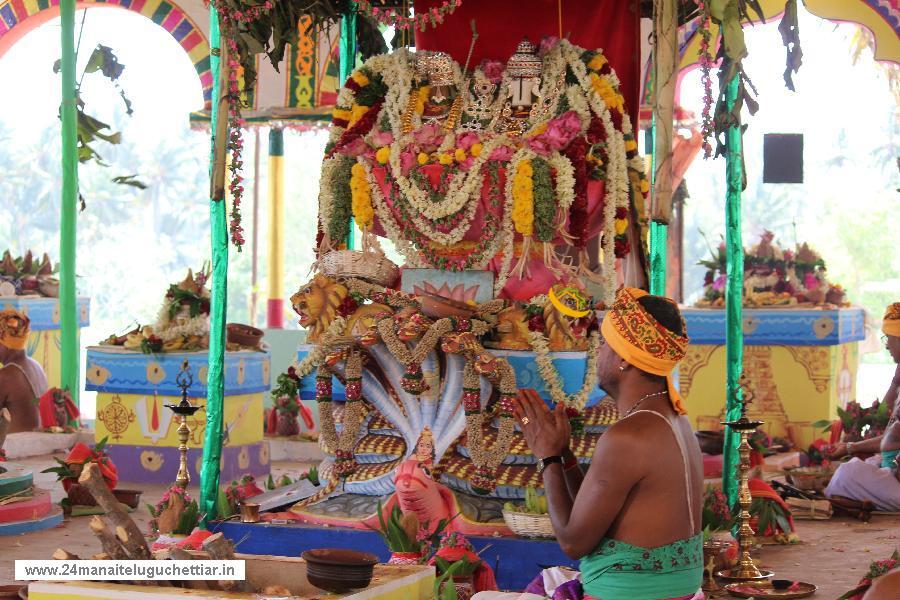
[(712, 465)]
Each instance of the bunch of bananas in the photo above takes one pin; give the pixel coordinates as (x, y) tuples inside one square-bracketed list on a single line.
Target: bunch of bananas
[(535, 504)]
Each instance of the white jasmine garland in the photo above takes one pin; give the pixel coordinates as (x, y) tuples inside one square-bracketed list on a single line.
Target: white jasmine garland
[(565, 181), (388, 222), (550, 375)]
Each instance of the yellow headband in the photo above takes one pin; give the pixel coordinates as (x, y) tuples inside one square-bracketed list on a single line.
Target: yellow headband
[(891, 323), (14, 328), (642, 342)]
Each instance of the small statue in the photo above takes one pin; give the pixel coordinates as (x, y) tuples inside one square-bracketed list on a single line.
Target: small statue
[(425, 449), (437, 69), (22, 380), (58, 411), (524, 91)]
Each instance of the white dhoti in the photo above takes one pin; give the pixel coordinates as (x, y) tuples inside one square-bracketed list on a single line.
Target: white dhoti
[(860, 480)]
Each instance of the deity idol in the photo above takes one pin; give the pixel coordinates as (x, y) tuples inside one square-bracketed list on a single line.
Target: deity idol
[(524, 89), (441, 104)]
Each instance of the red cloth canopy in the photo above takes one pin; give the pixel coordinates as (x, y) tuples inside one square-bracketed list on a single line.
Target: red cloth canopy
[(612, 25)]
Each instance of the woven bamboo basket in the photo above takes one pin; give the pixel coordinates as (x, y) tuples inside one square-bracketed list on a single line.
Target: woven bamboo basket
[(529, 525), (374, 267)]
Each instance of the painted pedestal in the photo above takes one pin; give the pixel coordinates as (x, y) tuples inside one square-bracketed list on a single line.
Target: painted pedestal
[(43, 343), (800, 364), (133, 389), (389, 582), (33, 511), (515, 561)]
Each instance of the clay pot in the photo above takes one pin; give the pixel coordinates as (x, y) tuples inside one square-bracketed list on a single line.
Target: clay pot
[(80, 496), (287, 424), (244, 335), (339, 571), (130, 498)]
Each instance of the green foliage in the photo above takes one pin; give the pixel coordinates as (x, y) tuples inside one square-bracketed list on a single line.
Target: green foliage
[(223, 506), (189, 519), (769, 513), (393, 532), (443, 584)]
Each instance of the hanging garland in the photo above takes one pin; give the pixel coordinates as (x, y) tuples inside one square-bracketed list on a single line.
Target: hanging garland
[(706, 63), (391, 17), (550, 375)]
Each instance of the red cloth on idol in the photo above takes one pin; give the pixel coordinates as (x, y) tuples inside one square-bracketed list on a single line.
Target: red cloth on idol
[(81, 454), (47, 408), (501, 24)]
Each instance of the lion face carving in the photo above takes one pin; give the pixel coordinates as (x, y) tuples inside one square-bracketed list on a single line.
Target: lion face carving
[(317, 303), (512, 329)]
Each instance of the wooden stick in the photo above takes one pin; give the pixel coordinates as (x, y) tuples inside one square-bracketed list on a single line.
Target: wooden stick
[(127, 532), (220, 548), (5, 420), (100, 556), (60, 554), (111, 544), (221, 132)]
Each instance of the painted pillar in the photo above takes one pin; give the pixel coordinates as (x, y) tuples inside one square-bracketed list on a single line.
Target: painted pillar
[(68, 309), (734, 287), (215, 386), (348, 63), (275, 307)]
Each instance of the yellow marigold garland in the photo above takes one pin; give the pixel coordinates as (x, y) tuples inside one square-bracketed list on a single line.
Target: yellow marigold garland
[(361, 197), (523, 198)]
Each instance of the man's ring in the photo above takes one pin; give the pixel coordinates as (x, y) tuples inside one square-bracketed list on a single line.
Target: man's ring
[(525, 420)]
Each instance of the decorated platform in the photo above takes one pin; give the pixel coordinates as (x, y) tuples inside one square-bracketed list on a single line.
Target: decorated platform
[(389, 582), (44, 340), (25, 508), (515, 561), (800, 365), (133, 389)]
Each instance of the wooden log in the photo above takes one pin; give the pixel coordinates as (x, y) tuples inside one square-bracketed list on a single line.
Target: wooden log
[(110, 542), (128, 533), (220, 547), (60, 554), (182, 554), (100, 556)]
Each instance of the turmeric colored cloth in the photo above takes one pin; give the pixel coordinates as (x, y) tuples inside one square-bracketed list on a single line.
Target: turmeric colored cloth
[(891, 323), (642, 341)]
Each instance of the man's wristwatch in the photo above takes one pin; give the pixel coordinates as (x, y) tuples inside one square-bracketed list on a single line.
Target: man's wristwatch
[(543, 463)]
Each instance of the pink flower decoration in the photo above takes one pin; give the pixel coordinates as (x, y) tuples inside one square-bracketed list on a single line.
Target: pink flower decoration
[(559, 134), (719, 283), (382, 138), (355, 147), (466, 140), (429, 137), (493, 70), (546, 44), (502, 154), (407, 161), (811, 282)]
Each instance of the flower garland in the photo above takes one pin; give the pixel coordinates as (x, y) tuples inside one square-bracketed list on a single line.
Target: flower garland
[(391, 17), (361, 198), (616, 193), (545, 208), (232, 23), (488, 459), (706, 63), (550, 375), (341, 200)]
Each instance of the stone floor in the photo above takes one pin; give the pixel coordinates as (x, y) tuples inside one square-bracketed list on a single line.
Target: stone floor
[(833, 554)]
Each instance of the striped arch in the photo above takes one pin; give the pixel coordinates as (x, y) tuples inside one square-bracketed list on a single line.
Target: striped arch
[(18, 17)]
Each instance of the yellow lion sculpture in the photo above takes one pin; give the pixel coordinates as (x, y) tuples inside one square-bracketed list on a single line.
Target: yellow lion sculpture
[(318, 303)]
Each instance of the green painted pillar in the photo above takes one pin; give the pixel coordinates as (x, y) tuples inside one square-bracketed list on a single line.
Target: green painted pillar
[(68, 310), (658, 231), (348, 63), (734, 332), (215, 386)]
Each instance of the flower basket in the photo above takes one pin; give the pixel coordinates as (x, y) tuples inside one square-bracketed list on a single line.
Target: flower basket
[(529, 525), (80, 496), (374, 267), (814, 478), (465, 588)]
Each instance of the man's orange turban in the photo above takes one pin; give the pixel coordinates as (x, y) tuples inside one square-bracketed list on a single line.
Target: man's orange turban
[(642, 342), (891, 323), (14, 329)]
